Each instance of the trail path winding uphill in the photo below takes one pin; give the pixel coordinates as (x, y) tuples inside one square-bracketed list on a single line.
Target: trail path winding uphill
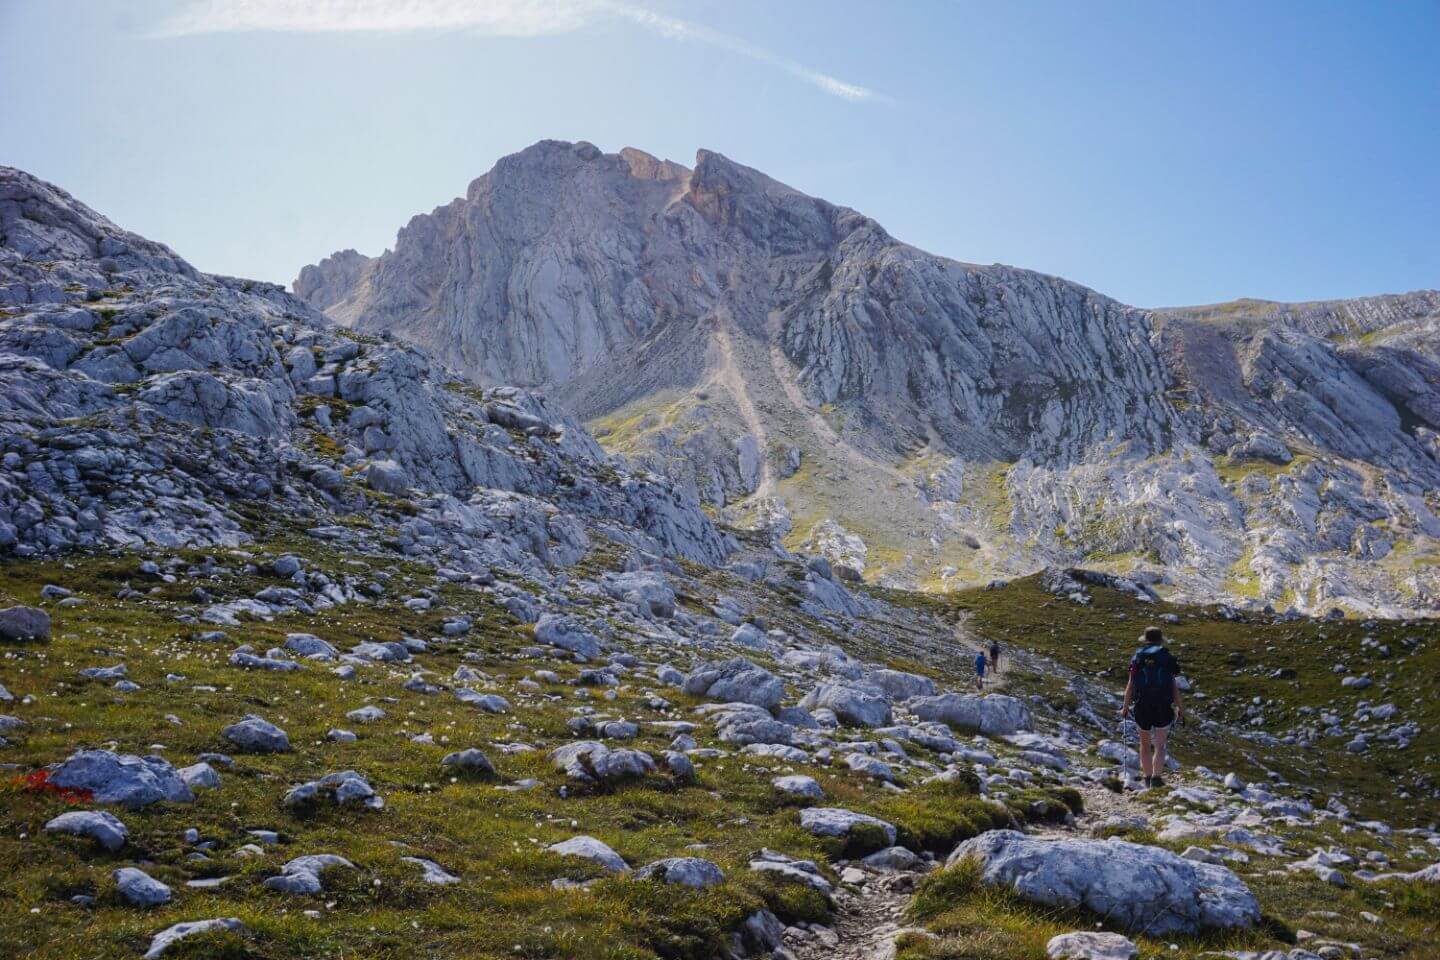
[(787, 376), (728, 375)]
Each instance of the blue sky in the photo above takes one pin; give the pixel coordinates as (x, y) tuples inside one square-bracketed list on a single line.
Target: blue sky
[(1162, 153)]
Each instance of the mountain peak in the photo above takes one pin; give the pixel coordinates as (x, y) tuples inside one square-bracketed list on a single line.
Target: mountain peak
[(42, 223), (783, 353)]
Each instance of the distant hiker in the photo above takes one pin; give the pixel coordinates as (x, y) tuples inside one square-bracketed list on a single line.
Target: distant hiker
[(995, 655), (1154, 690), (979, 669)]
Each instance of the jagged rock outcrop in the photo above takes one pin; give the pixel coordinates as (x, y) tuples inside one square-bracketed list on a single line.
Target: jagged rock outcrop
[(144, 402), (788, 358)]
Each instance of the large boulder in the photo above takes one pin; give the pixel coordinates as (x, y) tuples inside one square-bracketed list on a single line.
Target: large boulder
[(596, 851), (253, 734), (854, 704), (838, 822), (24, 624), (104, 828), (1091, 945), (647, 590), (736, 681), (122, 779), (172, 935), (387, 476), (565, 633), (899, 685), (686, 871), (302, 875), (1145, 889), (139, 888), (590, 761), (799, 785), (995, 715), (747, 724)]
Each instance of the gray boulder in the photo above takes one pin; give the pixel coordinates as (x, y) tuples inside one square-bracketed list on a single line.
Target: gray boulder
[(387, 476), (1145, 889), (853, 704), (799, 785), (1090, 945), (995, 715), (172, 935), (686, 871), (309, 645), (124, 780), (748, 635), (489, 702), (588, 848), (24, 625), (433, 872), (567, 634), (104, 828), (589, 761), (893, 858), (469, 761), (648, 591), (870, 766), (752, 725), (254, 734), (838, 822), (344, 788), (139, 888), (302, 875), (899, 685), (736, 681), (776, 864), (200, 776)]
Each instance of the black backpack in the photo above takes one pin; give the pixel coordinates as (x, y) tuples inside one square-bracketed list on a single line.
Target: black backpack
[(1154, 670)]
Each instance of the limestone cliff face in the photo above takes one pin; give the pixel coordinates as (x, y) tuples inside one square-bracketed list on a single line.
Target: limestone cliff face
[(798, 365)]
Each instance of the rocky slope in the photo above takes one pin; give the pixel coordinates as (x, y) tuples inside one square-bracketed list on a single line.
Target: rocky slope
[(309, 648), (143, 402), (930, 422)]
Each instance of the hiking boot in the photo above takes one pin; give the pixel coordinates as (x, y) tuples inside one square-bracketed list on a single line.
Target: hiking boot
[(1156, 782)]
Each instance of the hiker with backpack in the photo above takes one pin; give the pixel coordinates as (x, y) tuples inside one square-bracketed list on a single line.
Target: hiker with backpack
[(995, 656), (1154, 692), (980, 669)]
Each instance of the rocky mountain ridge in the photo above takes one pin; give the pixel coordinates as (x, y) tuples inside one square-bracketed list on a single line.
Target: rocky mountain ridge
[(931, 422), (144, 402)]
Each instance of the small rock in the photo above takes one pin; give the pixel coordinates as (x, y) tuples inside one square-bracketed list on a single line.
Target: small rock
[(469, 761), (686, 871), (1086, 945), (588, 848), (141, 889), (171, 935), (254, 734), (104, 828)]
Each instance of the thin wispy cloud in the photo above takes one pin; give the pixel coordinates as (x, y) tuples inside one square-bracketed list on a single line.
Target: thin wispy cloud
[(496, 18)]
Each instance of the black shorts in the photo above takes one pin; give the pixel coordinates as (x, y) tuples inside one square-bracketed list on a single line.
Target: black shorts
[(1154, 716)]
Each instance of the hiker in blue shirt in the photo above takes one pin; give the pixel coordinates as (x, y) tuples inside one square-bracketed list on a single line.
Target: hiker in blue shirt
[(980, 670)]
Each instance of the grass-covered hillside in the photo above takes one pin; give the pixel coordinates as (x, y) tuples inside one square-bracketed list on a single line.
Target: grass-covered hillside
[(489, 831), (1255, 677)]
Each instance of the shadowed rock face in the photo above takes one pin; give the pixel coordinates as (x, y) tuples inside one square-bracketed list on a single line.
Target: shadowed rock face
[(784, 354)]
